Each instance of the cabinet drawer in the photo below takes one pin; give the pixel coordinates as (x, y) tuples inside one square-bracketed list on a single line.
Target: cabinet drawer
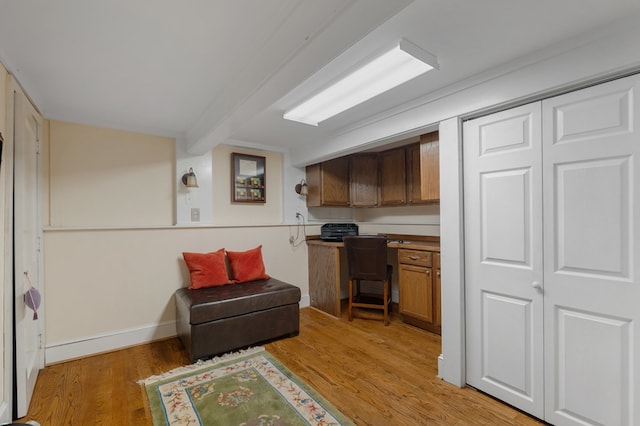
[(414, 257)]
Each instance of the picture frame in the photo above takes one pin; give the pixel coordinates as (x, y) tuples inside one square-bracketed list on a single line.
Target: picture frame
[(248, 178)]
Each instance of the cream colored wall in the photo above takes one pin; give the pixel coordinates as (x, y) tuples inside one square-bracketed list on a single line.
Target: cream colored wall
[(113, 257), (227, 213), (105, 177), (101, 282)]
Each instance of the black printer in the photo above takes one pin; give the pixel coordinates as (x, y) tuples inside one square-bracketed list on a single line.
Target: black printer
[(335, 231)]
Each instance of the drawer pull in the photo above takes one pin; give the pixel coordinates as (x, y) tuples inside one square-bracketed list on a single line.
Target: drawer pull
[(414, 257)]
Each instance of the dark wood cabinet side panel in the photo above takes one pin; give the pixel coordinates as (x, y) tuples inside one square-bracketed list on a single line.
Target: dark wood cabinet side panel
[(414, 180), (437, 290), (313, 185), (430, 170), (324, 279)]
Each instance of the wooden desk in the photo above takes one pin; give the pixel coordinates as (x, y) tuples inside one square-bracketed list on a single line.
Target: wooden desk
[(418, 279)]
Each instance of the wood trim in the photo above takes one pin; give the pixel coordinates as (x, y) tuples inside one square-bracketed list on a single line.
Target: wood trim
[(407, 237), (425, 238)]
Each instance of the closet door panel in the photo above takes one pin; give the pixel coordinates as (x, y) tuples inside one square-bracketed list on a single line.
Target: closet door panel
[(503, 256), (593, 384), (591, 235), (592, 219)]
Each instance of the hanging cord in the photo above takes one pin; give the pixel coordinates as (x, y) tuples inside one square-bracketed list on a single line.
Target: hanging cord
[(294, 240), (32, 297)]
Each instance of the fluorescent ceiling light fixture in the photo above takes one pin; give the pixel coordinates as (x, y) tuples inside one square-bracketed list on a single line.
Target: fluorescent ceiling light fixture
[(394, 67)]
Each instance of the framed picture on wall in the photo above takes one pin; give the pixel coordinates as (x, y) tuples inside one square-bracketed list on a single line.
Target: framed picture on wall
[(248, 178)]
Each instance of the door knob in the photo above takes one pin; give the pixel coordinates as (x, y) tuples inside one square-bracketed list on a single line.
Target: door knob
[(536, 285)]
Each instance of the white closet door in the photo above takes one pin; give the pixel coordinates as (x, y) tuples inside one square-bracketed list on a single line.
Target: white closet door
[(28, 330), (592, 255), (503, 256)]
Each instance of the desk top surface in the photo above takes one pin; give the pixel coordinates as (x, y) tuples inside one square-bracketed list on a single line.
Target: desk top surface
[(406, 243)]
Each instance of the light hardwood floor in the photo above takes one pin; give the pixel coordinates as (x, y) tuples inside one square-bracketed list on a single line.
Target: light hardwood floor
[(374, 374)]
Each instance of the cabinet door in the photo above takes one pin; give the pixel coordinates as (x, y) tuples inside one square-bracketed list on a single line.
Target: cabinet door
[(430, 167), (416, 292), (335, 182), (393, 177), (363, 180), (328, 183)]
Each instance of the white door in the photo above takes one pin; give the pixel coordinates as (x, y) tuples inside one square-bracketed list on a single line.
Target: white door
[(592, 255), (6, 267), (503, 256), (28, 331), (587, 244)]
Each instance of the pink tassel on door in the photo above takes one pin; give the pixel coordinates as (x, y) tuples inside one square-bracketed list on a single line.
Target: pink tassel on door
[(32, 298)]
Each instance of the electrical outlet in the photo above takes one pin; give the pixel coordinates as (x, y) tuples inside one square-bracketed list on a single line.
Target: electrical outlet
[(195, 214)]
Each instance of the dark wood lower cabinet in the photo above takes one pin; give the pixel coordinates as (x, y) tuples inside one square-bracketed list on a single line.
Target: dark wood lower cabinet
[(419, 288)]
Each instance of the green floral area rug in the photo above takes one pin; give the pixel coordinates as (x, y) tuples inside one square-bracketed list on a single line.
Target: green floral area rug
[(244, 388)]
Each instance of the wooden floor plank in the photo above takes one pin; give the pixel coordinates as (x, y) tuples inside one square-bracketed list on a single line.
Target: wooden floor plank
[(374, 374)]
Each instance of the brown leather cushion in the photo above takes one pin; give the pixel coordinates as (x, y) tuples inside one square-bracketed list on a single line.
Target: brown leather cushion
[(210, 304)]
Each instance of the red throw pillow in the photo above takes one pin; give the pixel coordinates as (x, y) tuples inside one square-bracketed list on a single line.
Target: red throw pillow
[(207, 269), (247, 265)]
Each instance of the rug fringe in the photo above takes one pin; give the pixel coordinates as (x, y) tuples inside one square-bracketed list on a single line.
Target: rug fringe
[(199, 364)]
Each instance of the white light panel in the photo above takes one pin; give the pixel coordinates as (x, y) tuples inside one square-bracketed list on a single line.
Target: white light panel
[(394, 67)]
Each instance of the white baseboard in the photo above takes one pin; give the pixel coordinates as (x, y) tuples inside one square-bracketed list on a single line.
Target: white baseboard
[(305, 301), (65, 351)]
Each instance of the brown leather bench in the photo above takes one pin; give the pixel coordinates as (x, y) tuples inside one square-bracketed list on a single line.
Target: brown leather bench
[(214, 320)]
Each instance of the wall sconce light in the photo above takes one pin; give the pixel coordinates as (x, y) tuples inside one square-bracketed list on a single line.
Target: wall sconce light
[(189, 179), (302, 188)]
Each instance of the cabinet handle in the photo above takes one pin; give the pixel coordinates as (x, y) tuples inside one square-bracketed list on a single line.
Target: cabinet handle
[(438, 273), (428, 271), (414, 257)]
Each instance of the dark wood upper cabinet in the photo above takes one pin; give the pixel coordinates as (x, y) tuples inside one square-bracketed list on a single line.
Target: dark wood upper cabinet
[(423, 170), (414, 184), (430, 167), (363, 180), (328, 183), (407, 175), (393, 177)]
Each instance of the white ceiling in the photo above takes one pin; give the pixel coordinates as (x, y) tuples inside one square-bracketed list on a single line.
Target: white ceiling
[(210, 71)]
